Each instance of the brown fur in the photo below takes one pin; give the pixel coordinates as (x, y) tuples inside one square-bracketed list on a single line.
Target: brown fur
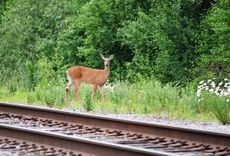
[(96, 77), (88, 75)]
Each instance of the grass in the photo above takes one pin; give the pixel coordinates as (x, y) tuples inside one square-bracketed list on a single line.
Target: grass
[(145, 97), (218, 106), (17, 96)]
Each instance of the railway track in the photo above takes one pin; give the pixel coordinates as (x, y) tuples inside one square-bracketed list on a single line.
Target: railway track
[(98, 135), (16, 147)]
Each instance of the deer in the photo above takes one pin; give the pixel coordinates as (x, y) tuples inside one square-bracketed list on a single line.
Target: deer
[(81, 74)]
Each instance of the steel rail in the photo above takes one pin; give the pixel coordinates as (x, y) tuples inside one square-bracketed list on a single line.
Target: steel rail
[(202, 136), (16, 147), (75, 143)]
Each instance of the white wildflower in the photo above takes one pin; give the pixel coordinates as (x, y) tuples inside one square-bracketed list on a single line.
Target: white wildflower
[(226, 93), (228, 90), (213, 84), (220, 83), (109, 87), (198, 93), (216, 92), (200, 86), (227, 100), (211, 90), (220, 94), (211, 87)]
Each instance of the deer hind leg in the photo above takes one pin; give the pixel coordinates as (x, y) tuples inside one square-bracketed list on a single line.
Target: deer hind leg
[(67, 90)]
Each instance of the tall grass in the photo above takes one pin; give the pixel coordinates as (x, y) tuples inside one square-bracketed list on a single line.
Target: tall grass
[(144, 97), (88, 103), (219, 107), (151, 97), (52, 96), (214, 97), (40, 84)]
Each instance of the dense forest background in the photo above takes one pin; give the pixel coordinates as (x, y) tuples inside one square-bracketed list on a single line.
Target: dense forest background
[(176, 41)]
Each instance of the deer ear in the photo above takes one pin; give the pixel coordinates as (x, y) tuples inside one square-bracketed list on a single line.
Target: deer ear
[(102, 57), (111, 57)]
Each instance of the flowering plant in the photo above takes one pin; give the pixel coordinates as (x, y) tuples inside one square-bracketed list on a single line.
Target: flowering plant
[(215, 96), (211, 87)]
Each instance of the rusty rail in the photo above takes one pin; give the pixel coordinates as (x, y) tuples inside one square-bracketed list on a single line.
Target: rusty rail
[(147, 135), (80, 144), (208, 137), (16, 147)]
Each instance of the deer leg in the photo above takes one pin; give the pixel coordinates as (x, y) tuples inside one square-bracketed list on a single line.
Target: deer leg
[(67, 92), (77, 87), (100, 88), (67, 89), (94, 91)]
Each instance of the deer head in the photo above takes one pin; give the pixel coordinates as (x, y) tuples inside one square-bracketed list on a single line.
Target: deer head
[(106, 60)]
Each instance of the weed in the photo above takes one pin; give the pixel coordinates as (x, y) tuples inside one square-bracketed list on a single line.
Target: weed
[(219, 106), (88, 103), (144, 97), (214, 96)]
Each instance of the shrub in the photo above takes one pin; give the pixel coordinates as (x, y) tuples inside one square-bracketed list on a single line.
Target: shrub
[(219, 106), (214, 97), (151, 97), (88, 103)]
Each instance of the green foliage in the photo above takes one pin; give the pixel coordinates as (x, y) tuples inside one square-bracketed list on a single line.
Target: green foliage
[(154, 42), (92, 30), (146, 97), (219, 106), (49, 86), (12, 87), (2, 8), (214, 96), (29, 32), (162, 40), (88, 103), (30, 75), (213, 44), (51, 96), (143, 97), (171, 41)]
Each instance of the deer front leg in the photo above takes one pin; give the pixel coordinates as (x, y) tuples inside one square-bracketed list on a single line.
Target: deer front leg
[(76, 91), (100, 88), (94, 91)]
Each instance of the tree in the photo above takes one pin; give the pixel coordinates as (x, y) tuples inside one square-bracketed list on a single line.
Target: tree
[(213, 44)]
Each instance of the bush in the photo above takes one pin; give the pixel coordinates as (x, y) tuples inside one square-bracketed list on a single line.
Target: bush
[(214, 96), (52, 96), (220, 107), (152, 97), (213, 46), (88, 103)]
